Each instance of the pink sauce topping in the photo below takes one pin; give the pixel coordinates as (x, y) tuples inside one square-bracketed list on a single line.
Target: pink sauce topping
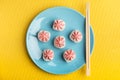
[(48, 55), (59, 25), (69, 55), (76, 36), (44, 36), (59, 42)]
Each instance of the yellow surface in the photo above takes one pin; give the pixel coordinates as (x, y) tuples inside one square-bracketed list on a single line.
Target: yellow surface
[(15, 17)]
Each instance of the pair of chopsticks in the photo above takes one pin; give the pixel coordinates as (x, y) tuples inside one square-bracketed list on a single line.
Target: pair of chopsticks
[(87, 39)]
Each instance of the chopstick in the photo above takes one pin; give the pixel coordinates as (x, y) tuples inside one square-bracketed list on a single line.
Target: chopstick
[(87, 39)]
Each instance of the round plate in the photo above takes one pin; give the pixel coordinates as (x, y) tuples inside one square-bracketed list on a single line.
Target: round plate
[(44, 21)]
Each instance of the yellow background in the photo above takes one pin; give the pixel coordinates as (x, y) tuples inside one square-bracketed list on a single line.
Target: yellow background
[(15, 17)]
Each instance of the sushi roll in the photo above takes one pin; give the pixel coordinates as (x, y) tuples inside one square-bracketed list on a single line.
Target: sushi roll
[(59, 25), (59, 42), (48, 55), (69, 55), (76, 36), (44, 36)]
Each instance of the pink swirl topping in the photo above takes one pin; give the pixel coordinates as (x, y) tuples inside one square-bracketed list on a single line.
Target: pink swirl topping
[(48, 55), (44, 36), (69, 55), (59, 25), (76, 36), (59, 42)]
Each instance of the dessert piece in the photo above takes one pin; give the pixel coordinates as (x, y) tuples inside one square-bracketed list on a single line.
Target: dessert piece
[(48, 55), (59, 42), (44, 36), (76, 36), (59, 25), (69, 55)]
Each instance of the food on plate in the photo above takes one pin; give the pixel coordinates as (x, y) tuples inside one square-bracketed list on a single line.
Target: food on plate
[(59, 42), (76, 36), (59, 25), (69, 55), (44, 36), (48, 54)]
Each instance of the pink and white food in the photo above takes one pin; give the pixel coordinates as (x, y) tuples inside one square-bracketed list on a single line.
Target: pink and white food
[(59, 25), (59, 42), (48, 55), (76, 36), (69, 55), (44, 36)]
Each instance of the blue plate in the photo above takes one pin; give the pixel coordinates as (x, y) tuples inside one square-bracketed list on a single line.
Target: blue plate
[(43, 21)]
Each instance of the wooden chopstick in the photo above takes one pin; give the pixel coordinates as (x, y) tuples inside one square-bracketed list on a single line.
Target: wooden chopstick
[(87, 39)]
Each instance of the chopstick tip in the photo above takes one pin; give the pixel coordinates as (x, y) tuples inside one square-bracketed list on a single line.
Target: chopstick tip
[(88, 72), (87, 5)]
